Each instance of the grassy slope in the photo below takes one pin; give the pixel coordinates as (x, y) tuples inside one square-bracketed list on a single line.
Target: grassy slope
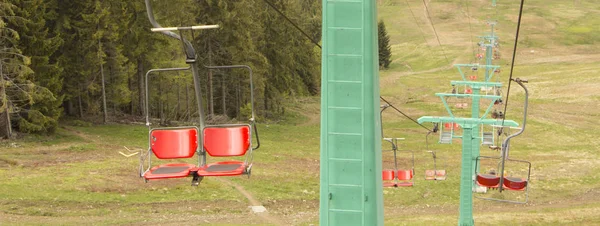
[(560, 58), (78, 175)]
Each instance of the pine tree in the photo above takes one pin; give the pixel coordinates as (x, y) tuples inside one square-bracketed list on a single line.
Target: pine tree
[(385, 51), (11, 65), (42, 87)]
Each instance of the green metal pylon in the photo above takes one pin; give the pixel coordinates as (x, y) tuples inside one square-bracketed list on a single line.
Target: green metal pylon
[(471, 139), (351, 191)]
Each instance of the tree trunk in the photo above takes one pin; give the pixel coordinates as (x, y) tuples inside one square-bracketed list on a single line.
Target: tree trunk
[(129, 85), (69, 107), (223, 95), (5, 114), (80, 105), (160, 102), (141, 87), (103, 88), (266, 99), (187, 101), (177, 113), (211, 104), (237, 100), (167, 102)]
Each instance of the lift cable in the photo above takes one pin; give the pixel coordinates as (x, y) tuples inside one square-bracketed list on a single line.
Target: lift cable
[(405, 115), (435, 31), (294, 24), (417, 22), (512, 66), (471, 31)]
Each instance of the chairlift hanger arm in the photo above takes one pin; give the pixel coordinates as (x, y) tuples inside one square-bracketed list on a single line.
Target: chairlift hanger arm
[(522, 129), (189, 49), (506, 143)]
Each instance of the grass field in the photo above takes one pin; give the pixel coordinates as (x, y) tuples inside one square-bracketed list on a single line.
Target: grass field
[(78, 177)]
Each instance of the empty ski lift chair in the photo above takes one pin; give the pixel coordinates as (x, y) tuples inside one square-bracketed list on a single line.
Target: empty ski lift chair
[(398, 177), (508, 183), (447, 132), (487, 137), (434, 174), (177, 142), (501, 181)]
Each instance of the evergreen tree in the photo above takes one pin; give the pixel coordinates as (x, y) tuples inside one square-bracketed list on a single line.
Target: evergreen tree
[(41, 88), (11, 65), (385, 51)]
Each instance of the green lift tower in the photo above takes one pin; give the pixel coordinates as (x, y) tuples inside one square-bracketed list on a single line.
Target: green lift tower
[(351, 184), (473, 137)]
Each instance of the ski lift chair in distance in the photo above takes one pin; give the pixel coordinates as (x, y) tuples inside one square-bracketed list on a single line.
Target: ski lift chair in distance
[(168, 144), (434, 174), (501, 181), (447, 132), (398, 177), (229, 141), (487, 137)]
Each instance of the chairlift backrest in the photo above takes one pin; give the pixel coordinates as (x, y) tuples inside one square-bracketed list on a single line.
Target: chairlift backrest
[(405, 174), (222, 141), (174, 143)]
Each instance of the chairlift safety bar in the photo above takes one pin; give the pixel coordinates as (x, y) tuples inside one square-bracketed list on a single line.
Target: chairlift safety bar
[(477, 84), (199, 27)]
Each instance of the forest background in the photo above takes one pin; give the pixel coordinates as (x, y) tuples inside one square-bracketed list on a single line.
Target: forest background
[(60, 58)]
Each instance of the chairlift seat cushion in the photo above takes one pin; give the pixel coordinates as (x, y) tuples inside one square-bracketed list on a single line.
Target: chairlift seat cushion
[(405, 184), (174, 143), (226, 168), (389, 184), (514, 183), (488, 180), (224, 141), (172, 170)]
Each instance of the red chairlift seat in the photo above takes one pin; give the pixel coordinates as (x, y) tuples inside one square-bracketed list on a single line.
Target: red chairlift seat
[(226, 141), (514, 183), (509, 183), (405, 178), (435, 174), (488, 180), (178, 143), (388, 177)]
